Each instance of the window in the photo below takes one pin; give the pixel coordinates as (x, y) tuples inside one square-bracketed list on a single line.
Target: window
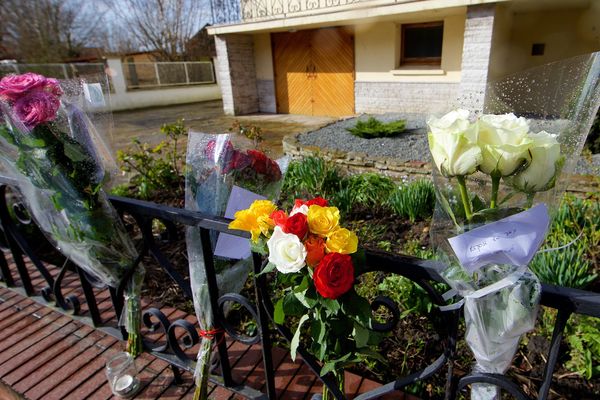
[(422, 44)]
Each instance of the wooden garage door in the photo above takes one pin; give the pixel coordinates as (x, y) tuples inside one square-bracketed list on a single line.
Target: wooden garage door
[(314, 72)]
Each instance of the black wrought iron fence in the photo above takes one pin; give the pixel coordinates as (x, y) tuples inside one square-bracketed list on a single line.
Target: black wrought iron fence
[(182, 335)]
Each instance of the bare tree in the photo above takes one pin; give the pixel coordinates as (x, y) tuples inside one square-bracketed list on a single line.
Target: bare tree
[(42, 31), (164, 26)]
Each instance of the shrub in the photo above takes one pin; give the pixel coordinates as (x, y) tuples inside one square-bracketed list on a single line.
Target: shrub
[(414, 200), (373, 128), (583, 338), (252, 132), (154, 168)]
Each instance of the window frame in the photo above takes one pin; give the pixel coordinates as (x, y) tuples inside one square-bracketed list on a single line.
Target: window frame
[(423, 61)]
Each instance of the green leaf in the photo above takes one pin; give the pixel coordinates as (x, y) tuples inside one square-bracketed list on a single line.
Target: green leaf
[(361, 335), (279, 314), (260, 246), (292, 306), (308, 298), (446, 206), (369, 353), (328, 367), (268, 268), (357, 308), (303, 285), (296, 339), (74, 152), (33, 142), (332, 306)]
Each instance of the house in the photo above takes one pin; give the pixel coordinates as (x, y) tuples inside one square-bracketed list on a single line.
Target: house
[(342, 57)]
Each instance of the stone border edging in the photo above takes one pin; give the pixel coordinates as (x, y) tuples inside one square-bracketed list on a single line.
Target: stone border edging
[(357, 162)]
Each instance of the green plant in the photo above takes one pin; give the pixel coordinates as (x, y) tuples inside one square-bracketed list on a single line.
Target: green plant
[(311, 177), (154, 167), (413, 200), (370, 191), (576, 224), (373, 128), (583, 339)]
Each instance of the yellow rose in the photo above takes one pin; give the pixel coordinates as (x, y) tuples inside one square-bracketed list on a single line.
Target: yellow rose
[(262, 207), (342, 241), (322, 220), (265, 224), (245, 220)]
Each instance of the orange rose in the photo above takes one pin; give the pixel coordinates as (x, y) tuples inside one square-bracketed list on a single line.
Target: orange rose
[(315, 249)]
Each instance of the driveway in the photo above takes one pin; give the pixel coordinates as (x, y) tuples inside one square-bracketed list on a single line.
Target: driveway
[(208, 117)]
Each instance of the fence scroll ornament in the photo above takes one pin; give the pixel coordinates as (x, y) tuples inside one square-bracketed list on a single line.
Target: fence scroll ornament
[(49, 145), (222, 178), (498, 178)]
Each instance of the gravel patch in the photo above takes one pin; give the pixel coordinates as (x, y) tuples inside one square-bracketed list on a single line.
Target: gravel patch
[(588, 165), (408, 146)]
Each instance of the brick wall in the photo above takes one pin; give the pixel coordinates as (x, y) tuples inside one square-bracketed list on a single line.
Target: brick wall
[(266, 95), (237, 73), (477, 46), (409, 97)]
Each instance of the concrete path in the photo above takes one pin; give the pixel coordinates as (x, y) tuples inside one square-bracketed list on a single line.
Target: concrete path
[(208, 117)]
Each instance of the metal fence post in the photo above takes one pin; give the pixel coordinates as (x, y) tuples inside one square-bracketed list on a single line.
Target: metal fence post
[(187, 76), (157, 74)]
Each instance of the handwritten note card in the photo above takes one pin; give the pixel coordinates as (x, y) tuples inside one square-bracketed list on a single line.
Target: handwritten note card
[(513, 240)]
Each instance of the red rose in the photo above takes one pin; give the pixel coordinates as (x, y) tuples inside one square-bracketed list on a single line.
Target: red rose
[(279, 217), (318, 201), (259, 161), (297, 225), (334, 275)]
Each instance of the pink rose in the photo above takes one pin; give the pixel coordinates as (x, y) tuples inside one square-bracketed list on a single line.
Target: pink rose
[(14, 86), (36, 107)]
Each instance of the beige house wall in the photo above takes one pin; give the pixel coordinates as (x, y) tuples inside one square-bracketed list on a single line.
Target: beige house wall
[(565, 33), (377, 51)]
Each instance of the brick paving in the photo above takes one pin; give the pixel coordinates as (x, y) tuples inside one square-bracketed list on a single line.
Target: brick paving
[(46, 354)]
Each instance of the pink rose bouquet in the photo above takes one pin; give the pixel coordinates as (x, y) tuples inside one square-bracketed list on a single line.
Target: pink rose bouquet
[(46, 145)]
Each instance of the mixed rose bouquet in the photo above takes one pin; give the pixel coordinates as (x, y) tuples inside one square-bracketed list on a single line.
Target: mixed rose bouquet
[(218, 172), (47, 145), (313, 255)]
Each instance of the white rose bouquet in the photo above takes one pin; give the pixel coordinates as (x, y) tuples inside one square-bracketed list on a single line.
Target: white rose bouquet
[(497, 178)]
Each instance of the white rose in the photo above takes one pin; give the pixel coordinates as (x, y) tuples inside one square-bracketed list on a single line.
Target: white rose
[(504, 143), (545, 164), (453, 144), (286, 251), (302, 209)]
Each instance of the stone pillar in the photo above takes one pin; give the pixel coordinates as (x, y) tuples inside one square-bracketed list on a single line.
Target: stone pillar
[(237, 73), (477, 46)]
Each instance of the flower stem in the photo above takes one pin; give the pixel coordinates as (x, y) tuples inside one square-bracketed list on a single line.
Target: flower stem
[(530, 197), (495, 186), (462, 185), (339, 377), (201, 391)]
